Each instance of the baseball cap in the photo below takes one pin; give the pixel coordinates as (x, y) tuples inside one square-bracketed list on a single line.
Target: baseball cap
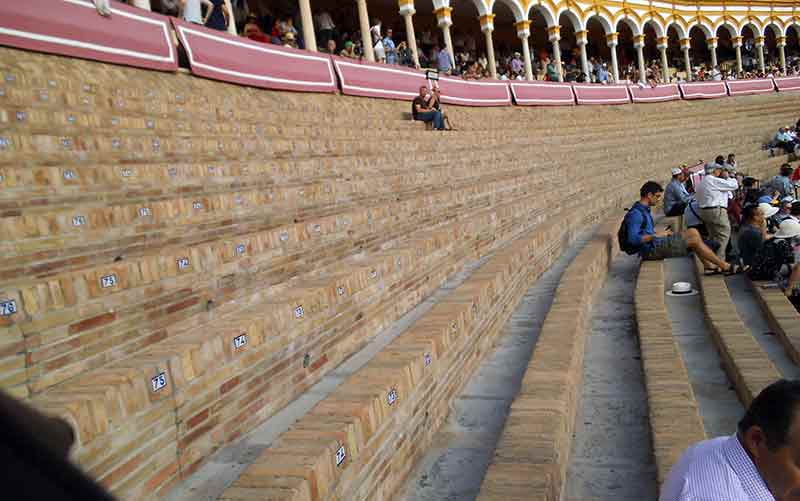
[(676, 171), (766, 199), (767, 210), (788, 199)]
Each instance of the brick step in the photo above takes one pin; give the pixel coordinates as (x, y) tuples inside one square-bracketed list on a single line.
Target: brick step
[(532, 454), (360, 415), (784, 319), (147, 366), (675, 421), (744, 361)]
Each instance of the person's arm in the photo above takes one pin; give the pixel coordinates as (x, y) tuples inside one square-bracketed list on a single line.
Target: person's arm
[(722, 184), (636, 235)]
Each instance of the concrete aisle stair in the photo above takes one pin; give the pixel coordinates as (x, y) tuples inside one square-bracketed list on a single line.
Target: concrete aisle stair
[(675, 420), (531, 456), (745, 362), (783, 318)]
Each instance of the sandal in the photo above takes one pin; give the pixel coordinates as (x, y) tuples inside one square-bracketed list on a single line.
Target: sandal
[(710, 272), (735, 269)]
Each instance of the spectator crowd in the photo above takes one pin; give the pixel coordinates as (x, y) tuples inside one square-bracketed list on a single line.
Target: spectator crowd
[(732, 222), (263, 25)]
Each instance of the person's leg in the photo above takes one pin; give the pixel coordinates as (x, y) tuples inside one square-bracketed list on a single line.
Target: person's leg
[(695, 242), (426, 116), (438, 122), (718, 226)]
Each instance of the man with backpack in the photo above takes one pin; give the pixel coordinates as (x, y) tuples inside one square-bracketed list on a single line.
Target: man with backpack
[(637, 235)]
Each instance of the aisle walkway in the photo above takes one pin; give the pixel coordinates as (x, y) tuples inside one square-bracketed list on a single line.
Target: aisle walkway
[(452, 469), (746, 302), (611, 458), (719, 405)]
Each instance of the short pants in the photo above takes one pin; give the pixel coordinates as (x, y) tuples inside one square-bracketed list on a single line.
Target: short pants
[(663, 248)]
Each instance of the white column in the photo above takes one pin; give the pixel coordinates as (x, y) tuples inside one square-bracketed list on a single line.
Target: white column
[(407, 11), (638, 43), (487, 26), (142, 4), (554, 35), (524, 32), (760, 50), (712, 47), (444, 21), (737, 44), (687, 60), (782, 52), (309, 38), (612, 44), (580, 38), (366, 38), (662, 48)]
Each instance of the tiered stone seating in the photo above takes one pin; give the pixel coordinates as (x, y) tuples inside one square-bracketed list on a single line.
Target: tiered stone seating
[(532, 455), (150, 220), (383, 416), (783, 319), (745, 362), (675, 421)]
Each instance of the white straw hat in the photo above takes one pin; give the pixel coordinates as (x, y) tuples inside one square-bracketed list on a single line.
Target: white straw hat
[(788, 229), (768, 210), (681, 289)]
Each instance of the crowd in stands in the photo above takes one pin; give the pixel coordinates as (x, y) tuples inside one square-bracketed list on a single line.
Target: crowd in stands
[(284, 28), (733, 223)]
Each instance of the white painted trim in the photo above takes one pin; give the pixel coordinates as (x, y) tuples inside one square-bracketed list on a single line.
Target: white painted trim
[(345, 85), (102, 48), (543, 101), (182, 30)]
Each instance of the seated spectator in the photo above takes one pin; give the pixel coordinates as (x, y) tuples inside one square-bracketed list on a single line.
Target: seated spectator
[(517, 66), (472, 72), (753, 232), (276, 34), (420, 109), (784, 209), (730, 162), (758, 462), (782, 183), (253, 31), (552, 70), (330, 47), (676, 197), (691, 218), (638, 236), (602, 73), (444, 61), (783, 139), (788, 276), (349, 50), (217, 16), (434, 101), (795, 211), (289, 40)]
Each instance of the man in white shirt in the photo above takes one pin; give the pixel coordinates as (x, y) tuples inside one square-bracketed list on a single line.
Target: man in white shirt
[(759, 463), (712, 196)]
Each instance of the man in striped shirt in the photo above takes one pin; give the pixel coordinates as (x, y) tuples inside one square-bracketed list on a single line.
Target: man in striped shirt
[(761, 462)]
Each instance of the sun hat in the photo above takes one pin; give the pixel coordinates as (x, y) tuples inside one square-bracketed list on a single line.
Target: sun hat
[(768, 210), (681, 289), (789, 228), (675, 171)]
